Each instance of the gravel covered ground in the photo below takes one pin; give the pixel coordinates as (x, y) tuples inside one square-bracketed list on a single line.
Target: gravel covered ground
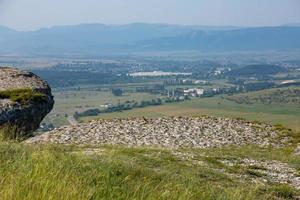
[(257, 171), (167, 132), (265, 171)]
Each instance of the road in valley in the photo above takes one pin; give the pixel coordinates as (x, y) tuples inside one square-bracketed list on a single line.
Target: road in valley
[(72, 120)]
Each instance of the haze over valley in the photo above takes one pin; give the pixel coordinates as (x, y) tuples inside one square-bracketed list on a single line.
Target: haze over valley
[(100, 39)]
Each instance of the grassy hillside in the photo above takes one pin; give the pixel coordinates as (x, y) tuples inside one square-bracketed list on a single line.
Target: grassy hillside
[(284, 96), (69, 172), (257, 70)]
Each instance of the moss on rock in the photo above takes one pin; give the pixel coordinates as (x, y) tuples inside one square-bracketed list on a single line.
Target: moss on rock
[(23, 96)]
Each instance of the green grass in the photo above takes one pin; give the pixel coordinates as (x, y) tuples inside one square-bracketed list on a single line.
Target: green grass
[(23, 96), (10, 132), (69, 172)]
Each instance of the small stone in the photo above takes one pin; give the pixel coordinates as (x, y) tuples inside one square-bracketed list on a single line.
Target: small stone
[(297, 150)]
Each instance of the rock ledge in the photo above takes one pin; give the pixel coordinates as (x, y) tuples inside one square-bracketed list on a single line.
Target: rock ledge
[(26, 117)]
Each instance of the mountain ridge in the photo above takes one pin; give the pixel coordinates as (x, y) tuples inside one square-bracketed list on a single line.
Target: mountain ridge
[(128, 38), (262, 38)]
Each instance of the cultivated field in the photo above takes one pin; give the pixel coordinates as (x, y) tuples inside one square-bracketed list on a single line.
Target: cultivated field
[(68, 102)]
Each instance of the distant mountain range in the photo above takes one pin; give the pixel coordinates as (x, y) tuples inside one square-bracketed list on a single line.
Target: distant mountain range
[(266, 38), (96, 39)]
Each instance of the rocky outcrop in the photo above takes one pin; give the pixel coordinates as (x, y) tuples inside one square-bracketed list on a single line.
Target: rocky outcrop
[(167, 132), (26, 117)]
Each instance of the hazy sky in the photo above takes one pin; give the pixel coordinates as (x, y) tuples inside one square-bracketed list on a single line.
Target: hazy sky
[(33, 14)]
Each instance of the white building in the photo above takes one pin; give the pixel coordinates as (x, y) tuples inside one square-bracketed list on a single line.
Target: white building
[(194, 92)]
